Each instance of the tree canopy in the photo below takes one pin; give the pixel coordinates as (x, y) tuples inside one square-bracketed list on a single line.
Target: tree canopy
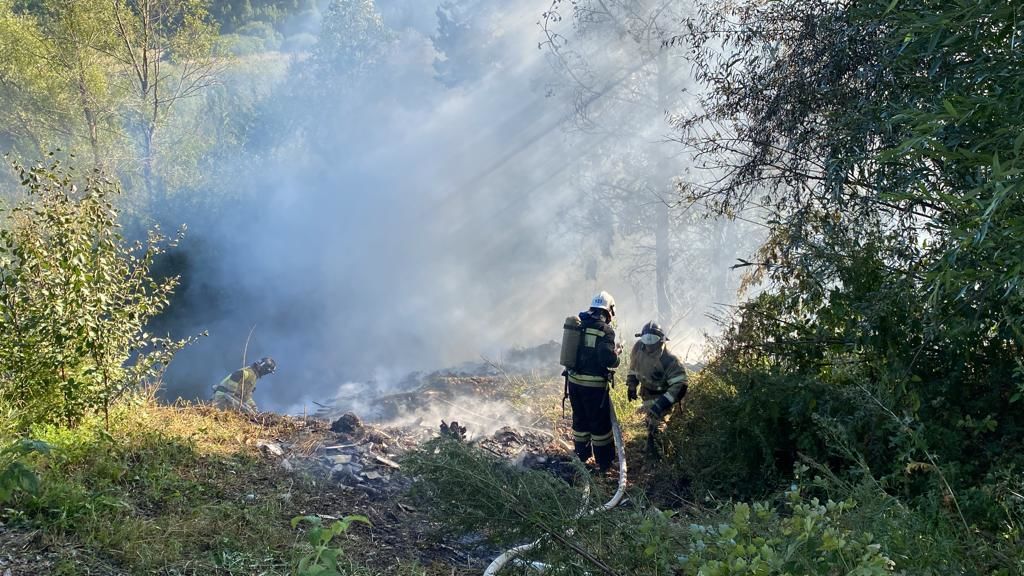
[(882, 141)]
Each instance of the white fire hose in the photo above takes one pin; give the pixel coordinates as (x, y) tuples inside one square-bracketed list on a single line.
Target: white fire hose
[(540, 567)]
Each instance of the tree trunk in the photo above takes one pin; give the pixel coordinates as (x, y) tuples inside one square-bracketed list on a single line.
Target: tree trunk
[(663, 177), (663, 263), (90, 120), (148, 175)]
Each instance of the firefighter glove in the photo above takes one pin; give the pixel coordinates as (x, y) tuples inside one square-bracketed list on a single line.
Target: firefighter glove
[(661, 405), (632, 383)]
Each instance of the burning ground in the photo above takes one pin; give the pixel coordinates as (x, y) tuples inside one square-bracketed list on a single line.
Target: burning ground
[(188, 489)]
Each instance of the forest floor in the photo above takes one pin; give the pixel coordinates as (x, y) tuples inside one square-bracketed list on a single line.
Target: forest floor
[(188, 489)]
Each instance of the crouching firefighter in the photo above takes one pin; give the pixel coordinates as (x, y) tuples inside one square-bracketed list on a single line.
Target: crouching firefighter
[(660, 377), (234, 392), (590, 355)]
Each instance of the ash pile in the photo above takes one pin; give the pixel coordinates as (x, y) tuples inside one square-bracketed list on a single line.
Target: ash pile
[(345, 452), (484, 396), (363, 458), (373, 423), (534, 450)]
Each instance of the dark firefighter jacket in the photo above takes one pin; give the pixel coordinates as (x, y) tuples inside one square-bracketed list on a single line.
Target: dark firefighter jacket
[(596, 357)]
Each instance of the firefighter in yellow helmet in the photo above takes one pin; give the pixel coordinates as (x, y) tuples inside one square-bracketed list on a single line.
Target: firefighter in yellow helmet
[(234, 392), (588, 381), (660, 378)]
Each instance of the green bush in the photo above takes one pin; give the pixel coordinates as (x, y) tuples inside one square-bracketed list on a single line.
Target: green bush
[(780, 388), (75, 298), (15, 476), (887, 340), (714, 450), (809, 539)]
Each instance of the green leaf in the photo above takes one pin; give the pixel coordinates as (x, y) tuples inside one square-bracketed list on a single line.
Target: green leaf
[(29, 445), (330, 557), (950, 109), (357, 518), (315, 520)]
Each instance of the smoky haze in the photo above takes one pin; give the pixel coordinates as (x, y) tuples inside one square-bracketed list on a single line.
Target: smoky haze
[(421, 212)]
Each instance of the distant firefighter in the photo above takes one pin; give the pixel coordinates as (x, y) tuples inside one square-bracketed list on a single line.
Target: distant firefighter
[(234, 392), (661, 378)]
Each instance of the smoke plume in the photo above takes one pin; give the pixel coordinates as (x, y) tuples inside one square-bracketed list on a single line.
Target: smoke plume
[(406, 210)]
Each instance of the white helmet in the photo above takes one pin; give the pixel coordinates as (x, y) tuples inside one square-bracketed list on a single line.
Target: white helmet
[(603, 301)]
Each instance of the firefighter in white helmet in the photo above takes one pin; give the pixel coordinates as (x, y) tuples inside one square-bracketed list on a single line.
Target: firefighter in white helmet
[(660, 378), (588, 382)]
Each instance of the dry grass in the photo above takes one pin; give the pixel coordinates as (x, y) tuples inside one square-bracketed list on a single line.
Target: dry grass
[(216, 432), (173, 490)]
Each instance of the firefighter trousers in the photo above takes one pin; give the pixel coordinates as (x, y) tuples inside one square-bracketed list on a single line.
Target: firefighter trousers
[(592, 424)]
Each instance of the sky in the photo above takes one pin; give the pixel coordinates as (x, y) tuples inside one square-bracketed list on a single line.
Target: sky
[(415, 222)]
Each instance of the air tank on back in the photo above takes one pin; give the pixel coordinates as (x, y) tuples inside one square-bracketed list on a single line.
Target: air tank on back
[(571, 331)]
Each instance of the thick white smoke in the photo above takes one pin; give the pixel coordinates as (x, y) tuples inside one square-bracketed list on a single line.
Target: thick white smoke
[(410, 218)]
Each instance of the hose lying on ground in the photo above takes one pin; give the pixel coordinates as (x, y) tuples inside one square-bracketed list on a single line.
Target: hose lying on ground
[(498, 563)]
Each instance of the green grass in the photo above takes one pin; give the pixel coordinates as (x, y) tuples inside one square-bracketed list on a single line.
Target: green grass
[(184, 490), (165, 490)]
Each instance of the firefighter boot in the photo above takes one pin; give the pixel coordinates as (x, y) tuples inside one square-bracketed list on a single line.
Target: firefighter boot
[(652, 447)]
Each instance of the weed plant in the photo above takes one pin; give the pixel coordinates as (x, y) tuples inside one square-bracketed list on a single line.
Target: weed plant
[(471, 490)]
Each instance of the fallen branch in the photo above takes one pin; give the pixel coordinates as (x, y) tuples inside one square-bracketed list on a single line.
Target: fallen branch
[(340, 446), (384, 460)]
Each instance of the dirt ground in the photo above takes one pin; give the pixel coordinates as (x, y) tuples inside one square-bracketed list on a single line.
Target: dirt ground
[(339, 465)]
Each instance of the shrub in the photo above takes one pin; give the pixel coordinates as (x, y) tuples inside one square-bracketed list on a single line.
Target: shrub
[(809, 539), (469, 490), (485, 493), (15, 476), (75, 297)]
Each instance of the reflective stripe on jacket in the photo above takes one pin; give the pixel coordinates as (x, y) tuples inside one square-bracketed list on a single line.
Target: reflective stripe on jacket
[(240, 384), (596, 356), (658, 370)]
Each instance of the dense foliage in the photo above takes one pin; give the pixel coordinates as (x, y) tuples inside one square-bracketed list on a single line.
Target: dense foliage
[(123, 84), (472, 490), (238, 15), (75, 299), (882, 141)]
